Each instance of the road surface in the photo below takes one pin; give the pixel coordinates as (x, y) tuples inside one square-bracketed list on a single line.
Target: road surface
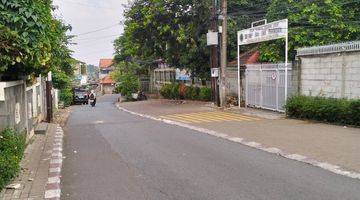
[(114, 155)]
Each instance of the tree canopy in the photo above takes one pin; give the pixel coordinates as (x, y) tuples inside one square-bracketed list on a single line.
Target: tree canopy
[(312, 23), (32, 41), (175, 30)]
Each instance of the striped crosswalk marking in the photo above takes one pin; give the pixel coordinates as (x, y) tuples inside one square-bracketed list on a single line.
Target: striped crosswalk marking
[(207, 117)]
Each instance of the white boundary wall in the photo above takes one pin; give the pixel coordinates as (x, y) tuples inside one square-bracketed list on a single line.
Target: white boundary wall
[(331, 71)]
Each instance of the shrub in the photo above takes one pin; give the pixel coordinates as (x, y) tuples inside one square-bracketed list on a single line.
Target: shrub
[(191, 93), (355, 112), (175, 91), (339, 111), (205, 94), (165, 91), (66, 95), (180, 91), (129, 84), (12, 146)]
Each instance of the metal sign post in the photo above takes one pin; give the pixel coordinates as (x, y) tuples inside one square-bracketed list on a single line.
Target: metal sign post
[(266, 32)]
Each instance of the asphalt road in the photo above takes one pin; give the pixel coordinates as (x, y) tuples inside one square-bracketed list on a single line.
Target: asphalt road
[(114, 155)]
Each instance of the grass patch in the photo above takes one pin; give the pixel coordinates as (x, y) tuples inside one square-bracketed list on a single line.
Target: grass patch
[(12, 146)]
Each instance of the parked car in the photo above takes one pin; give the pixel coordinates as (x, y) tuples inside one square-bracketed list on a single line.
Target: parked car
[(80, 96)]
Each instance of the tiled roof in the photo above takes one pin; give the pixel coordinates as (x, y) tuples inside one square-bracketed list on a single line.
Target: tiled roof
[(246, 59), (105, 63), (106, 80)]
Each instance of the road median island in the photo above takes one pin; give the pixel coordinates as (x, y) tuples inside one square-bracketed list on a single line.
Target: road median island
[(314, 143)]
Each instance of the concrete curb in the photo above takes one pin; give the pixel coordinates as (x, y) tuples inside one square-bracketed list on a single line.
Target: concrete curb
[(326, 166), (53, 190)]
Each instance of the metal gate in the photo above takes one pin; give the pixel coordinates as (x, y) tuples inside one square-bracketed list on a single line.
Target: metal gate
[(265, 86)]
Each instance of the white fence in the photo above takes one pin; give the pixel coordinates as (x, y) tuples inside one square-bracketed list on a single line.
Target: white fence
[(22, 106), (265, 86)]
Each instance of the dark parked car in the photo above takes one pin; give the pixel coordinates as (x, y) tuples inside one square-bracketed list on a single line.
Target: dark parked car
[(81, 96)]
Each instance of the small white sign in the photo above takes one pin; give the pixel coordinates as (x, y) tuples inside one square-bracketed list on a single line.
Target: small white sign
[(266, 32), (17, 113), (212, 38), (214, 72), (274, 76)]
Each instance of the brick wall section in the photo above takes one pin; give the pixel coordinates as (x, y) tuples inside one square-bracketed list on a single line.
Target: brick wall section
[(335, 75)]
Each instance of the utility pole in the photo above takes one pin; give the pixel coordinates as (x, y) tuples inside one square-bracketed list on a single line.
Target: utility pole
[(214, 55), (223, 52), (49, 100)]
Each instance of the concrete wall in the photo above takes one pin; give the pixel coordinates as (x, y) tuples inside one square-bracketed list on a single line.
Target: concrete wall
[(232, 82), (335, 75), (13, 110), (21, 107)]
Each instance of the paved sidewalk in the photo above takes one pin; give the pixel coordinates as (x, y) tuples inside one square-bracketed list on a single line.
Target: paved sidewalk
[(34, 173), (326, 143)]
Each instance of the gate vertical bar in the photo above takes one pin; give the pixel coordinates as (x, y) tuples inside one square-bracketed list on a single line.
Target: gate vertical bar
[(286, 62), (239, 75), (247, 87), (261, 87), (277, 87)]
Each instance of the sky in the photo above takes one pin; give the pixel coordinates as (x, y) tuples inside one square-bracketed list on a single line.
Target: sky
[(97, 23)]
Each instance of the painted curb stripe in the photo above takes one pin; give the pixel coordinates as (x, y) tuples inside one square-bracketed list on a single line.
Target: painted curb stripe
[(300, 158), (53, 190)]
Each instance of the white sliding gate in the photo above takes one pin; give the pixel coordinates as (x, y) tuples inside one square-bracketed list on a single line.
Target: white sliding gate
[(265, 86)]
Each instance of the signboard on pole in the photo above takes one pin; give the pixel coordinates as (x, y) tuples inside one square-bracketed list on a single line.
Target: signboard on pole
[(214, 72), (212, 38), (271, 31)]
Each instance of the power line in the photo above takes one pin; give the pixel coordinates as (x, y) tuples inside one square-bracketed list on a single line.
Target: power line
[(98, 30), (87, 5), (97, 38), (98, 51)]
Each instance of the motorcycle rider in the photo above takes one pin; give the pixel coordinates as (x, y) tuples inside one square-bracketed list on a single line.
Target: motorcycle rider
[(92, 97)]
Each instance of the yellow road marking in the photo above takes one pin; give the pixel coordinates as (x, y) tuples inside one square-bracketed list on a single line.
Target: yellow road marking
[(244, 116), (209, 117), (169, 118), (189, 118), (217, 117), (198, 117), (233, 116), (206, 117)]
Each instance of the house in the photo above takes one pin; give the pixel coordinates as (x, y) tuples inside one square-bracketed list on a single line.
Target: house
[(107, 85), (105, 66)]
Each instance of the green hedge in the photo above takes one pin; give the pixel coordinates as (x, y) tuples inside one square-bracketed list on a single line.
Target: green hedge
[(66, 96), (338, 111), (12, 146), (178, 91)]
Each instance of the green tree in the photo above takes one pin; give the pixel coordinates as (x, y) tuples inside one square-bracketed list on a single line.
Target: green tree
[(173, 30), (33, 41), (312, 23), (241, 13)]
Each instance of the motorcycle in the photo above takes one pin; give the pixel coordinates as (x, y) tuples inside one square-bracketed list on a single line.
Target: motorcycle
[(141, 96), (92, 102)]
